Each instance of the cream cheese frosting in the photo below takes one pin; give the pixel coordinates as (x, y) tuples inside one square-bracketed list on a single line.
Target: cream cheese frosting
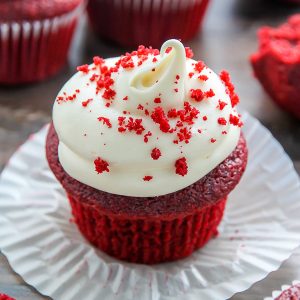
[(145, 124)]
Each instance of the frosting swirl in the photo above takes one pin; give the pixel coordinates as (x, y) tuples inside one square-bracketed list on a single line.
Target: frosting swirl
[(145, 124)]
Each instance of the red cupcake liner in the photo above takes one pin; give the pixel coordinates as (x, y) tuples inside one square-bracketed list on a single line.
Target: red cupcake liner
[(147, 240), (148, 22), (34, 50)]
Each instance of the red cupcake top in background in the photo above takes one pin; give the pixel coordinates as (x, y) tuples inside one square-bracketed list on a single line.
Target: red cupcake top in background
[(19, 10), (276, 64)]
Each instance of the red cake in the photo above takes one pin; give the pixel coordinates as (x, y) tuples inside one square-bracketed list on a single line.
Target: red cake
[(132, 23), (110, 221), (292, 293), (35, 38), (277, 63), (5, 297), (147, 147)]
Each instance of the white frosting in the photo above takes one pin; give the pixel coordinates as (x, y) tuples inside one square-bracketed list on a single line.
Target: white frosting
[(83, 138)]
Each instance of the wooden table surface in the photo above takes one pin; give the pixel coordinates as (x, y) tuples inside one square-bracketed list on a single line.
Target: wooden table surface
[(227, 39)]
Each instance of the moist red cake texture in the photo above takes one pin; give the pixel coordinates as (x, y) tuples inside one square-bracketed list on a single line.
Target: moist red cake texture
[(277, 63), (146, 22), (151, 229), (21, 10), (5, 297), (292, 293)]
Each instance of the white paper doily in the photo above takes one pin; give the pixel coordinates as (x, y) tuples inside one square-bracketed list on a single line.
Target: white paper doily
[(260, 229)]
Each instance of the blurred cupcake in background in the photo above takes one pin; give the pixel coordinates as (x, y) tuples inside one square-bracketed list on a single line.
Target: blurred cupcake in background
[(276, 64), (35, 36), (150, 22)]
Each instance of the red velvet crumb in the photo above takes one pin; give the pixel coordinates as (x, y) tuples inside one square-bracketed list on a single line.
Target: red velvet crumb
[(221, 105), (101, 165), (203, 77), (230, 88), (105, 121), (181, 167), (155, 153), (199, 66), (197, 95), (83, 68), (159, 117), (157, 100), (147, 178), (86, 103), (222, 121), (189, 52)]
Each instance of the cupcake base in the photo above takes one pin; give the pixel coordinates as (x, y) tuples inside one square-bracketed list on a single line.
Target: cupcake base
[(147, 240)]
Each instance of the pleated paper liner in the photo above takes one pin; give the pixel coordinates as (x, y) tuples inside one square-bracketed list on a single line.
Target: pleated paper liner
[(149, 22), (34, 50), (259, 231)]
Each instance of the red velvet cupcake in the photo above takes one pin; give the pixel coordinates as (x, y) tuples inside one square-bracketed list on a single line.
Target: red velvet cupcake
[(151, 22), (277, 64), (147, 147), (35, 38)]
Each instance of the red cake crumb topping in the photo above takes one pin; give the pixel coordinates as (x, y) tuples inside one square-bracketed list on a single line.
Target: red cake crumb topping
[(159, 117), (98, 60), (221, 105), (181, 167), (155, 153), (86, 103), (105, 121), (197, 95), (157, 100), (229, 88), (130, 124), (146, 136), (147, 178), (101, 165), (212, 140), (168, 50), (191, 74), (203, 77), (189, 52), (210, 93), (125, 98), (235, 120), (65, 98), (199, 66), (83, 68), (204, 118), (222, 121)]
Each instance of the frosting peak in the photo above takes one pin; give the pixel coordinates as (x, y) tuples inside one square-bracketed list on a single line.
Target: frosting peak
[(151, 80), (147, 123)]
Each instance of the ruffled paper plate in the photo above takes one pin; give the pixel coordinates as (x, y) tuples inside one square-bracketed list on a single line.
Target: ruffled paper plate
[(260, 229)]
